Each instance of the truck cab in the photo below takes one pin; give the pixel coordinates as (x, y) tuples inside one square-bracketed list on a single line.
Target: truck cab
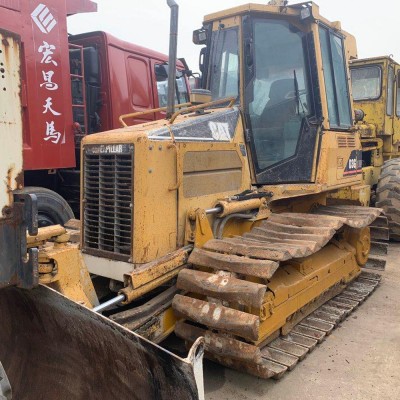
[(72, 86), (120, 78)]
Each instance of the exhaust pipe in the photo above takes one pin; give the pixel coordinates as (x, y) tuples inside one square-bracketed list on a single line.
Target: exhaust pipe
[(173, 43)]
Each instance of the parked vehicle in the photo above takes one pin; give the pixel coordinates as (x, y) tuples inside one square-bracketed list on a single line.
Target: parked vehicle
[(73, 86)]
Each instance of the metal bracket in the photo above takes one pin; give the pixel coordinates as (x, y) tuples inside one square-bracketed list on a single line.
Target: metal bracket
[(19, 267), (30, 211)]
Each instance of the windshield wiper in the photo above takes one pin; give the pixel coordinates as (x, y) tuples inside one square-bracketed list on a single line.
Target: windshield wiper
[(309, 121), (297, 92)]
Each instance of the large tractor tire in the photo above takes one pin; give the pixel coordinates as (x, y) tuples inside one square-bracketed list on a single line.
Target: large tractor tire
[(52, 208), (388, 195)]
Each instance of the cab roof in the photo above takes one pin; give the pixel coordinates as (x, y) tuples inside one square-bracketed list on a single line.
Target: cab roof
[(371, 60), (293, 10)]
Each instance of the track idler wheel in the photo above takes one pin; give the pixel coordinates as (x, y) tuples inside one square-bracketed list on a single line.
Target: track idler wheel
[(360, 239)]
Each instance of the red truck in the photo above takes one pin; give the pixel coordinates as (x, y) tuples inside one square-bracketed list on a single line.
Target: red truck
[(73, 86)]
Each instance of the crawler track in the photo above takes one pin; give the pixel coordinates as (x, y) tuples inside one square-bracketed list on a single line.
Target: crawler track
[(226, 291), (283, 353)]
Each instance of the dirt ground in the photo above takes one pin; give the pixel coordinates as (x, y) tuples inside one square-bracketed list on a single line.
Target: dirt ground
[(360, 360)]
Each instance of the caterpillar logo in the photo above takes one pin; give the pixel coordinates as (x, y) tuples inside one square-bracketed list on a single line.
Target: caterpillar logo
[(109, 149), (354, 163)]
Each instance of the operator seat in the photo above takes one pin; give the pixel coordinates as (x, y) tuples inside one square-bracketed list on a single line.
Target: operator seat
[(281, 105), (270, 137)]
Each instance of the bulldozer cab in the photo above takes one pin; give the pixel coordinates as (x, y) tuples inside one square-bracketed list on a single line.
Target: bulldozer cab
[(376, 90), (289, 75)]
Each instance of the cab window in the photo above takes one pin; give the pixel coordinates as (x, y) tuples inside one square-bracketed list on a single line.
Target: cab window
[(224, 66), (366, 82), (389, 101), (336, 85)]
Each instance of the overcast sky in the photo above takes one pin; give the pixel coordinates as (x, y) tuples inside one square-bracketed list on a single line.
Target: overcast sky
[(375, 24)]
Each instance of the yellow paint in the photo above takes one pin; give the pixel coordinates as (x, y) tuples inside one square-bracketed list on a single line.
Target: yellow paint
[(156, 269), (293, 289), (133, 294), (160, 326), (45, 233), (71, 277), (358, 194)]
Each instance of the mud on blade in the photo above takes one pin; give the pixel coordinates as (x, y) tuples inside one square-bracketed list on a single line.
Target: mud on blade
[(53, 348)]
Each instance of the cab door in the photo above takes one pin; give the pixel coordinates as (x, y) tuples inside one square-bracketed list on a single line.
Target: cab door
[(396, 111), (390, 100)]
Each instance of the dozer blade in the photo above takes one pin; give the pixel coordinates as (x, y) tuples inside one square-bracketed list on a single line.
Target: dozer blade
[(53, 348)]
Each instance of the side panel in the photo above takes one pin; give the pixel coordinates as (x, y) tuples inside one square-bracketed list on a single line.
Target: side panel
[(340, 160), (10, 156), (13, 214), (46, 93), (155, 200), (10, 119)]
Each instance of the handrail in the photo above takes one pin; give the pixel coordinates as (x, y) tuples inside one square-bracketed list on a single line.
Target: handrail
[(205, 105), (183, 110), (81, 78), (153, 110)]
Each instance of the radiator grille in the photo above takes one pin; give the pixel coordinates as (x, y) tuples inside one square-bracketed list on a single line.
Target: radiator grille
[(108, 200)]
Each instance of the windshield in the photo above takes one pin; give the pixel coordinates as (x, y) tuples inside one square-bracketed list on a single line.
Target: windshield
[(366, 83), (278, 95), (224, 67)]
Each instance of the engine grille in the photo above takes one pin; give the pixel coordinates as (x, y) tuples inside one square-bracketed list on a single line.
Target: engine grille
[(107, 211), (346, 141)]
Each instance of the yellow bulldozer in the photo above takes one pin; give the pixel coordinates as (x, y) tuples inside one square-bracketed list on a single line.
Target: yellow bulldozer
[(252, 198), (241, 219), (376, 91)]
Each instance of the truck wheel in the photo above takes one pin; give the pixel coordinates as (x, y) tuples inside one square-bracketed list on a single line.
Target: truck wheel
[(53, 209), (388, 195)]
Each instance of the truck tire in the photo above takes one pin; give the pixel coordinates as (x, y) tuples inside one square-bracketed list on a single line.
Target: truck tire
[(53, 209), (388, 195)]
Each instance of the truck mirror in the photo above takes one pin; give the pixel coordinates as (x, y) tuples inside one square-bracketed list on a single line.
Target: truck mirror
[(200, 36), (161, 72), (186, 71)]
